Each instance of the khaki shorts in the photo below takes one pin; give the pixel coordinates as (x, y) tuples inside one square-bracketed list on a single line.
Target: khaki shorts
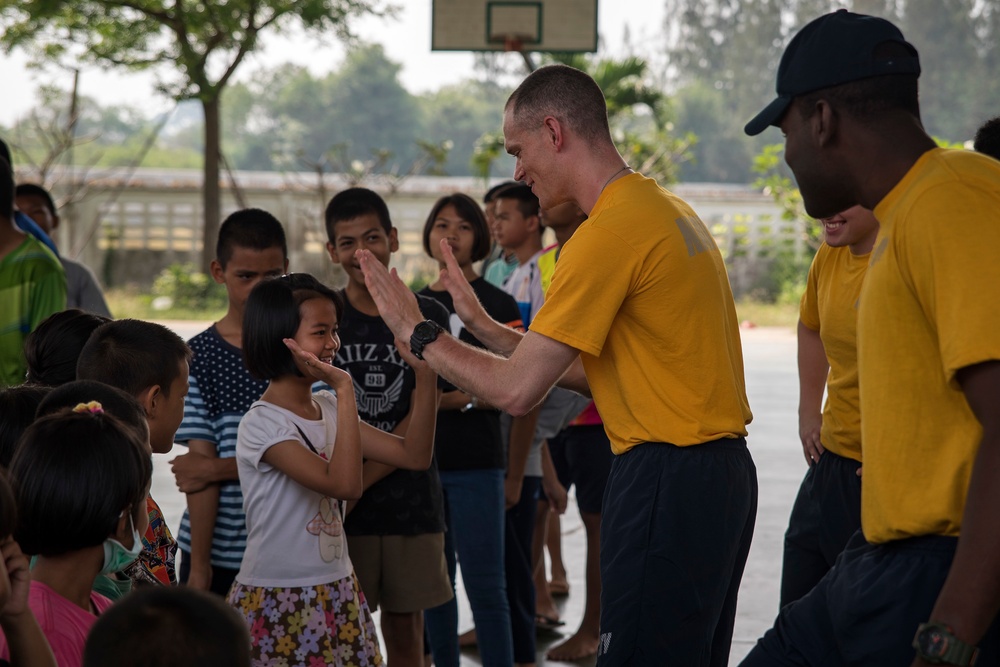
[(401, 573)]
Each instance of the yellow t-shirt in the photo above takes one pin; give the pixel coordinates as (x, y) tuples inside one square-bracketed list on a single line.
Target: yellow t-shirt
[(829, 306), (929, 307), (641, 290)]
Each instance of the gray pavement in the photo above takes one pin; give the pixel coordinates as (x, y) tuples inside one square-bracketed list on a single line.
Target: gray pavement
[(772, 385)]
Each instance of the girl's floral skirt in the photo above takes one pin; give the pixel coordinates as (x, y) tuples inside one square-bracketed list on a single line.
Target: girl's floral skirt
[(314, 626)]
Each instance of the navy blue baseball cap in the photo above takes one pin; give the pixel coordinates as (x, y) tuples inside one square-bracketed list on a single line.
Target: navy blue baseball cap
[(832, 50)]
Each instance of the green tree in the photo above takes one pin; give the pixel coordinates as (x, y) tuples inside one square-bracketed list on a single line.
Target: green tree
[(287, 118), (459, 113), (205, 41)]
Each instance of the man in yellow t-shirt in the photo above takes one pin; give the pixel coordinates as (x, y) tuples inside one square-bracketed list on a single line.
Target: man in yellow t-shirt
[(641, 316), (827, 511), (924, 586)]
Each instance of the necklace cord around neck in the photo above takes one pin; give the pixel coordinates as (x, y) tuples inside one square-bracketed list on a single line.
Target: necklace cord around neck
[(611, 178)]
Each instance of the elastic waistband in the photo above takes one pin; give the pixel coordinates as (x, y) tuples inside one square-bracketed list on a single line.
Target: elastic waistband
[(936, 543), (736, 444)]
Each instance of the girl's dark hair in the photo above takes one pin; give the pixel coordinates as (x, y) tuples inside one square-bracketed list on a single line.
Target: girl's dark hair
[(125, 407), (53, 348), (17, 405), (467, 210), (73, 475), (8, 508), (272, 314)]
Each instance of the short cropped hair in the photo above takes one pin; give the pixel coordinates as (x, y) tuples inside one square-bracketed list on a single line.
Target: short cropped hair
[(18, 405), (566, 93), (123, 406), (527, 202), (251, 228), (468, 210), (164, 626), (987, 139), (73, 475), (53, 348), (352, 203), (273, 314), (492, 193), (35, 190), (133, 355)]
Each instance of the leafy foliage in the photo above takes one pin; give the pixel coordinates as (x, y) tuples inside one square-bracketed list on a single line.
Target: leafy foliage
[(188, 289), (203, 43), (724, 55)]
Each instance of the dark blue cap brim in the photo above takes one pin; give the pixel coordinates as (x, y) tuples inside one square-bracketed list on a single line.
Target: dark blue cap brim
[(771, 114)]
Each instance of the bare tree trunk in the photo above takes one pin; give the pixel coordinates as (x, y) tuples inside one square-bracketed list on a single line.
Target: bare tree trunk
[(211, 197)]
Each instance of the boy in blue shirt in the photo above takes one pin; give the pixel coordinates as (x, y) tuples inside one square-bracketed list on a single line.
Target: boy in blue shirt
[(251, 247)]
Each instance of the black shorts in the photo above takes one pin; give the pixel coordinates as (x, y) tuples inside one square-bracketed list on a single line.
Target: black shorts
[(827, 512), (582, 458), (675, 533), (866, 610)]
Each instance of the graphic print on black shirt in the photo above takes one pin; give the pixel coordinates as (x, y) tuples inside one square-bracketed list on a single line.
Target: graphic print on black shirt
[(406, 502)]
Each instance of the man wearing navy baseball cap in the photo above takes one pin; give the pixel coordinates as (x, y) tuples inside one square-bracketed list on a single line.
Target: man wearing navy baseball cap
[(921, 583)]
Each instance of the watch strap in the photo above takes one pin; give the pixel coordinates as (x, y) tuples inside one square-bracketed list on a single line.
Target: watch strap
[(424, 334), (956, 652)]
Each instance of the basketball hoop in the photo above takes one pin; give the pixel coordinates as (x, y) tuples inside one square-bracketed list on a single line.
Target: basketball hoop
[(513, 43)]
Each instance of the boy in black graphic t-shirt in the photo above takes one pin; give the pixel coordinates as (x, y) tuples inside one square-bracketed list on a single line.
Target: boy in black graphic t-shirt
[(395, 532)]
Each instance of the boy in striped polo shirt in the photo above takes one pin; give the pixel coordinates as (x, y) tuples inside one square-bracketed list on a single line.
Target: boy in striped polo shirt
[(251, 247)]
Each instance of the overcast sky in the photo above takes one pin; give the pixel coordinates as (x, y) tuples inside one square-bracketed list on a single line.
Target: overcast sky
[(407, 39)]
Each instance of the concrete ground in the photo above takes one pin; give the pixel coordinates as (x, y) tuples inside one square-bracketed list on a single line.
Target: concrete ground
[(772, 385)]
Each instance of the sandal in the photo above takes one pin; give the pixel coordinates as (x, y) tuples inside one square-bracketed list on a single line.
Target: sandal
[(549, 623)]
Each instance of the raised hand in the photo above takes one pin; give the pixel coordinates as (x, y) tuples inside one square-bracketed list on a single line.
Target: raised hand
[(396, 303), (311, 366), (467, 304)]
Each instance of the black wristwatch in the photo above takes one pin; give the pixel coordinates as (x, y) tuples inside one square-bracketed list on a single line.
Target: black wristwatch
[(935, 643), (423, 335)]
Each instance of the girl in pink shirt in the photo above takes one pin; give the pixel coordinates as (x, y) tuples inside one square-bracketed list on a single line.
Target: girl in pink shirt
[(80, 479)]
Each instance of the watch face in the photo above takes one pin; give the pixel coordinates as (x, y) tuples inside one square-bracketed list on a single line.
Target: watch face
[(425, 332), (933, 643)]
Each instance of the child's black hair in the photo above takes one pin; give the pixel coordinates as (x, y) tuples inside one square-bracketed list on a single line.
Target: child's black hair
[(125, 407), (352, 203), (492, 193), (53, 348), (17, 405), (527, 202), (272, 314), (35, 190), (8, 508), (251, 228), (133, 355), (468, 210), (73, 475), (162, 626)]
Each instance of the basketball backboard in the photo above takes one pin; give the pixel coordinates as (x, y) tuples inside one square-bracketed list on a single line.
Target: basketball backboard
[(514, 25)]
